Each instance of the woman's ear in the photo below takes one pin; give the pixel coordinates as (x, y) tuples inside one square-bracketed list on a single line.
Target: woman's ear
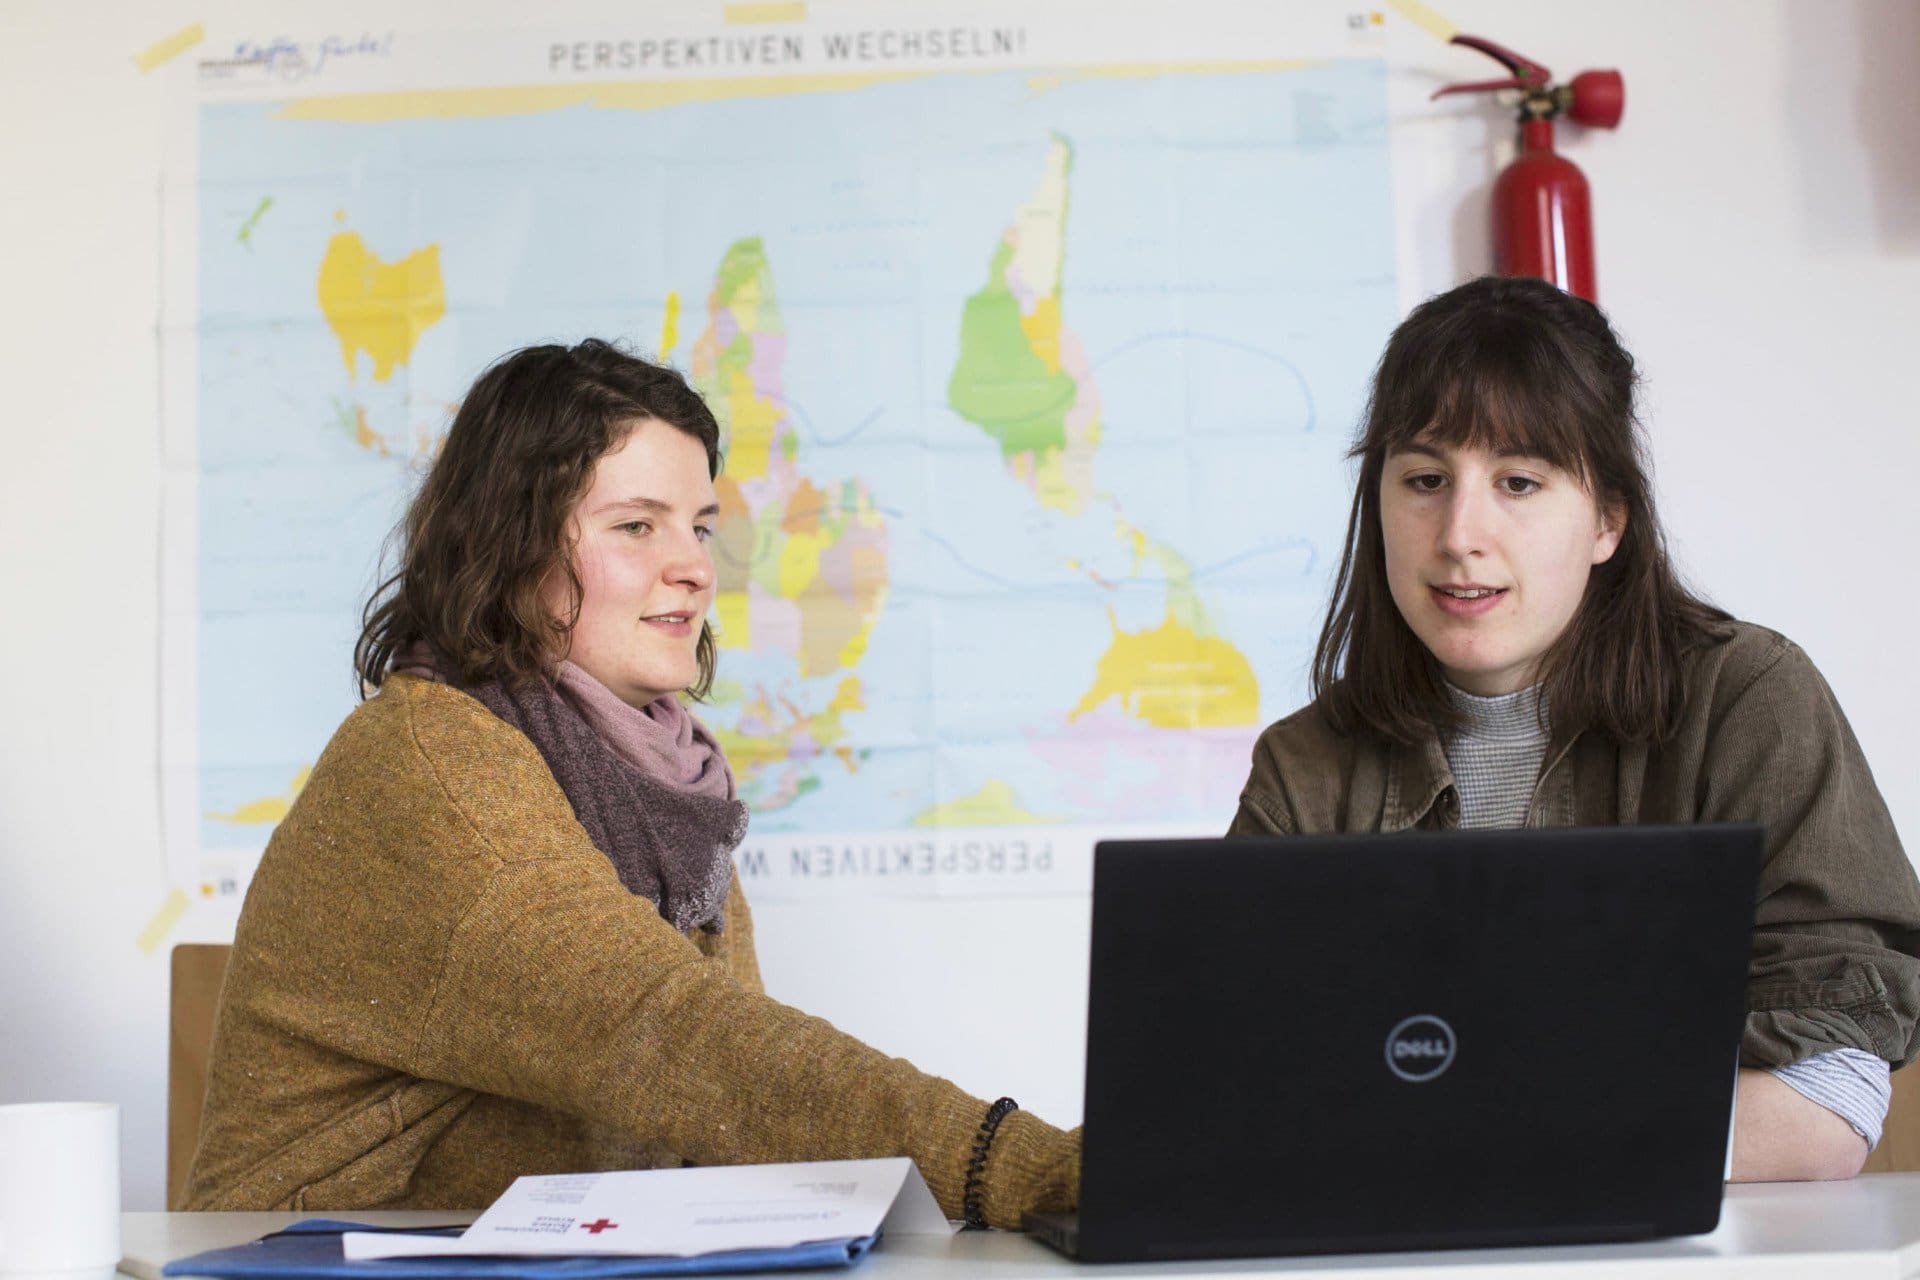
[(1613, 527)]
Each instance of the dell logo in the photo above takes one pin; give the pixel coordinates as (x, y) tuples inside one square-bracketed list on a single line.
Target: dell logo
[(1420, 1048)]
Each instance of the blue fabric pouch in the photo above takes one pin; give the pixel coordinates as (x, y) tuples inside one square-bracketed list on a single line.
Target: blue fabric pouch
[(310, 1250)]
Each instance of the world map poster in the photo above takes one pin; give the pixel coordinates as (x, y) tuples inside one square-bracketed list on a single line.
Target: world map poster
[(1035, 385)]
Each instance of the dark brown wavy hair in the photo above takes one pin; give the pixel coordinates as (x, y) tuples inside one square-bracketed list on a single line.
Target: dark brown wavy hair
[(490, 525), (1514, 365)]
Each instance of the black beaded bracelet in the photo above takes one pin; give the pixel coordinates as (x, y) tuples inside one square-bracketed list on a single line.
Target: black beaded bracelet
[(972, 1218)]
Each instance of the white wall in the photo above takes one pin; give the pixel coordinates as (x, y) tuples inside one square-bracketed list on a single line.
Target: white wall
[(1759, 243)]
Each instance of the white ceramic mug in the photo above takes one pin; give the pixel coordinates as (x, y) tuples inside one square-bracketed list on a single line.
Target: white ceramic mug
[(59, 1187)]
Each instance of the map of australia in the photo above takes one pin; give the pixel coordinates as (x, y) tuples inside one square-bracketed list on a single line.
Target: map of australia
[(1034, 394)]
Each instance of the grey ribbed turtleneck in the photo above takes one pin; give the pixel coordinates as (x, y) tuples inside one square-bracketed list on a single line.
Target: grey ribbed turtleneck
[(1495, 755)]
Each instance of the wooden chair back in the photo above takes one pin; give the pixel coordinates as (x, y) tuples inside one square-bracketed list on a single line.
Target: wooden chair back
[(198, 971), (1899, 1149)]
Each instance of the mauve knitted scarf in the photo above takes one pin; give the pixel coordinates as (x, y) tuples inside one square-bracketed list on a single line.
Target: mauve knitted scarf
[(650, 785)]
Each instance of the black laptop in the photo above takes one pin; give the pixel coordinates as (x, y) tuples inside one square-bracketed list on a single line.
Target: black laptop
[(1415, 1041)]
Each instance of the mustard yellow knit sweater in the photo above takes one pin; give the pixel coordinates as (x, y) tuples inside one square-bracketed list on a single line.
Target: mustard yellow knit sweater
[(438, 984)]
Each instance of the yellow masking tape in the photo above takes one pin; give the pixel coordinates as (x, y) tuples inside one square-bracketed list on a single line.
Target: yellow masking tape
[(1424, 18), (787, 11), (172, 47), (163, 921)]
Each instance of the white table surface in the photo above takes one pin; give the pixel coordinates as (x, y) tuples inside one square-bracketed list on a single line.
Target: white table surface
[(1867, 1229)]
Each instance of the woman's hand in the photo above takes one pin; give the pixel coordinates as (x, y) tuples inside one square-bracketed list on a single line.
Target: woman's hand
[(1781, 1136), (1032, 1167)]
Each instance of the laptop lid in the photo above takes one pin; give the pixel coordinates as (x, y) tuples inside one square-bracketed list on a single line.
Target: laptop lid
[(1414, 1041)]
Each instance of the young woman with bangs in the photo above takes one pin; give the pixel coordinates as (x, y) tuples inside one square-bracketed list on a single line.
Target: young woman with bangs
[(1509, 645), (500, 932)]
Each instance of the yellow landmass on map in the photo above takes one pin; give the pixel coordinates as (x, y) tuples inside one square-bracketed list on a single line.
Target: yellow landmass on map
[(730, 620), (1174, 678), (797, 562), (1042, 327), (840, 617), (670, 325), (270, 809), (378, 307), (754, 418), (1057, 484), (994, 805)]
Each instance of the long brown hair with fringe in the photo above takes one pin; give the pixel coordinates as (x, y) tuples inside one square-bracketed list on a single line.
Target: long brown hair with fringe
[(1514, 366), (491, 523)]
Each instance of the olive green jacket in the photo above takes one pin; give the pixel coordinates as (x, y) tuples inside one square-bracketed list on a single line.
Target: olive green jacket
[(438, 984), (1761, 739)]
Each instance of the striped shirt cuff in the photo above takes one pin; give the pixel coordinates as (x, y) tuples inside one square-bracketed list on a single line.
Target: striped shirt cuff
[(1852, 1083)]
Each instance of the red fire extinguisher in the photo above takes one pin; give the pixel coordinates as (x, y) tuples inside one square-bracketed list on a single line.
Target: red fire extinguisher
[(1542, 215)]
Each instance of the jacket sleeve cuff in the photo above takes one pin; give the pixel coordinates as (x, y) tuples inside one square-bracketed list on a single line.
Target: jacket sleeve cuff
[(1784, 1037)]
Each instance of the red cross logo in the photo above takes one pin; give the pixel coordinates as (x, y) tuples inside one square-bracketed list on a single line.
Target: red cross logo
[(598, 1227)]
